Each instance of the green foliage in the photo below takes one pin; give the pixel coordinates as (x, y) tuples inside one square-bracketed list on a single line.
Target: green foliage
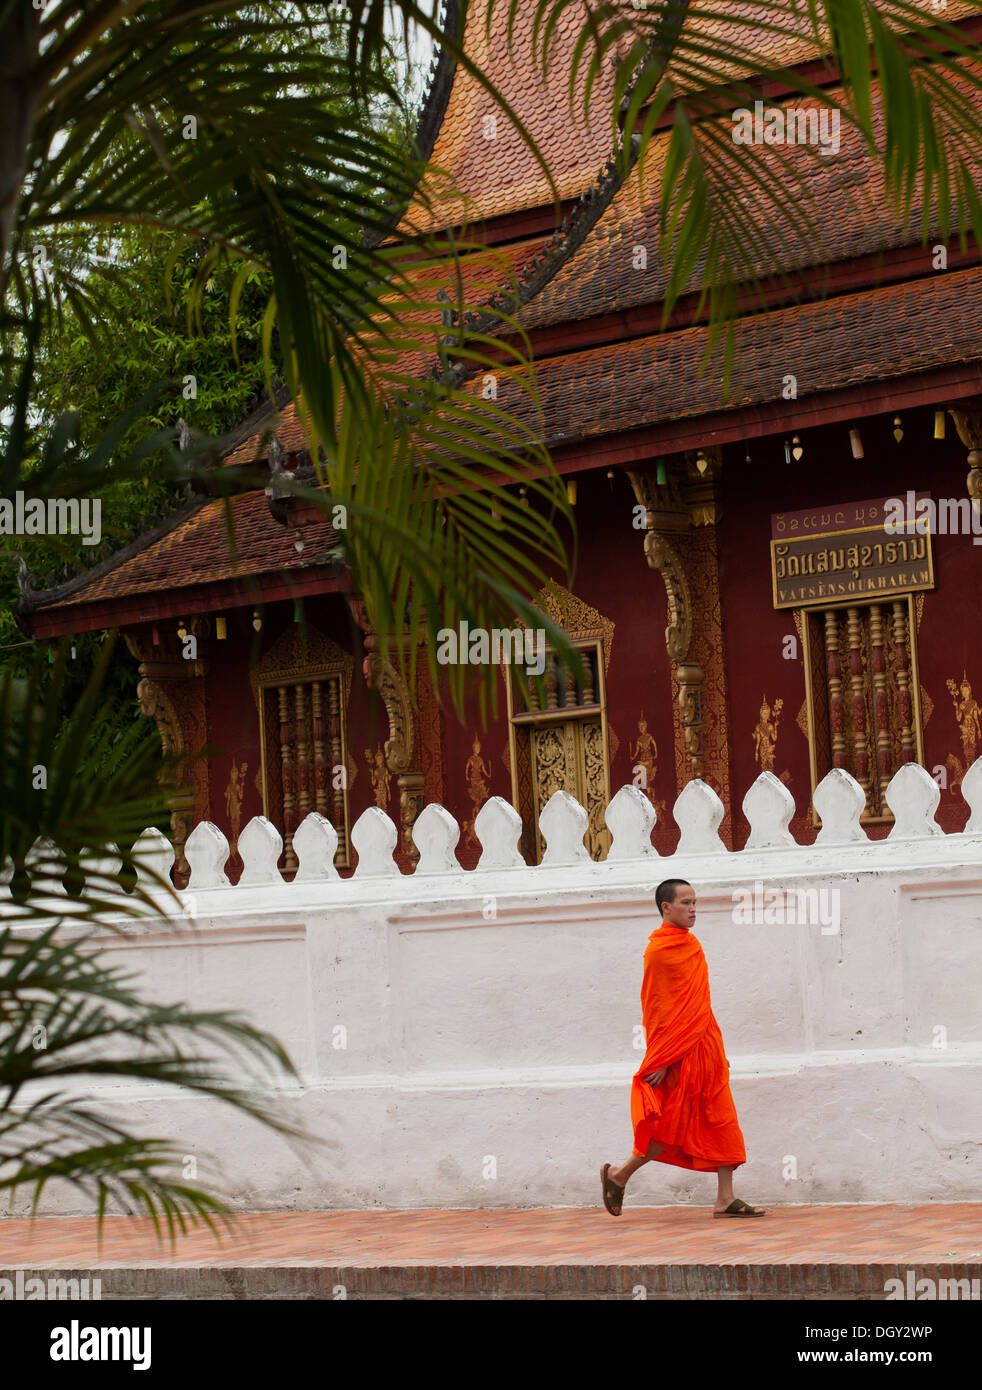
[(148, 297), (152, 307), (289, 172), (82, 781)]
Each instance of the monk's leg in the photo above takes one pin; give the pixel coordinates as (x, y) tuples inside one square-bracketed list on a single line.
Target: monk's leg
[(621, 1175), (724, 1188)]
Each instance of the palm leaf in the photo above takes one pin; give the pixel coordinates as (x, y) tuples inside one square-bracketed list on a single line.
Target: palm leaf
[(88, 1018)]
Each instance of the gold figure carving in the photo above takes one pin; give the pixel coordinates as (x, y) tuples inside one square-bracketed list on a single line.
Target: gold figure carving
[(476, 772), (765, 734), (595, 779), (379, 774), (644, 754), (233, 799), (967, 717)]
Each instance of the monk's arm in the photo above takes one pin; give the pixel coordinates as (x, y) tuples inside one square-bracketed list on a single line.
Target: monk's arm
[(655, 1078)]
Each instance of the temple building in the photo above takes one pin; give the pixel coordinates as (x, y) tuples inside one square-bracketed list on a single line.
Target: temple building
[(740, 601)]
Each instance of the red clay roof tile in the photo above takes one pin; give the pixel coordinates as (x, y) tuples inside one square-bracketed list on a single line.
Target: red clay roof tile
[(850, 214), (482, 178), (197, 552), (869, 336)]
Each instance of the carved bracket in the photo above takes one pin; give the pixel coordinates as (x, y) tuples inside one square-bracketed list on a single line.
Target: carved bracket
[(690, 678), (969, 427), (401, 754), (663, 504), (163, 694), (399, 708), (700, 491)]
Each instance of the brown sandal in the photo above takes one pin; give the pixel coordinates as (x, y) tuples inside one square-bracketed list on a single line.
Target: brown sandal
[(738, 1207), (612, 1193)]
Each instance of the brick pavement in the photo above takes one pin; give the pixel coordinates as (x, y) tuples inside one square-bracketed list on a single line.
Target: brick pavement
[(674, 1252)]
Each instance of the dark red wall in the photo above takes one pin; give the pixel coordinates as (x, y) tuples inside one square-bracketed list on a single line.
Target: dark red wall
[(233, 719), (948, 640), (612, 576)]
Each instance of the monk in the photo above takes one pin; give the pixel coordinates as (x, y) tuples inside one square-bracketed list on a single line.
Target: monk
[(681, 1106)]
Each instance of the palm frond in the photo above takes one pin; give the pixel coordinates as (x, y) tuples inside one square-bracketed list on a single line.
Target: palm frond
[(68, 1019)]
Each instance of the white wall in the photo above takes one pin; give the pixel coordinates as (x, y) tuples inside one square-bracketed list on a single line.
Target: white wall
[(491, 1018)]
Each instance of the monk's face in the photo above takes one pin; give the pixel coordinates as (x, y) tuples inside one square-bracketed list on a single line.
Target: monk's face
[(682, 912)]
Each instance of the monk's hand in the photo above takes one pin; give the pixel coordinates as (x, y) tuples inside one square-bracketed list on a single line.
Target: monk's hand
[(657, 1077)]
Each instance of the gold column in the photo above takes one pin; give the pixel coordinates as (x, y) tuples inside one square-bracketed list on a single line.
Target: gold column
[(881, 705), (690, 679), (905, 709), (171, 691), (402, 755), (288, 775), (303, 763), (833, 669), (857, 695), (320, 765)]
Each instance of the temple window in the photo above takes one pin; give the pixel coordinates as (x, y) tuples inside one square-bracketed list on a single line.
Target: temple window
[(559, 742), (302, 689), (863, 695)]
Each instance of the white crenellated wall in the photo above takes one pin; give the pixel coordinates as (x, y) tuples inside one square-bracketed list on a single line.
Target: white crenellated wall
[(469, 1038)]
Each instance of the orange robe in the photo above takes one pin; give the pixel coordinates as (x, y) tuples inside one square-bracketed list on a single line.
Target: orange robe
[(691, 1113)]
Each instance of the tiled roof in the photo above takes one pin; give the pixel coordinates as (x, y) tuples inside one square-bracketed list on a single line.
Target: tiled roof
[(469, 281), (484, 178), (872, 335), (869, 336), (499, 175), (197, 552), (850, 215)]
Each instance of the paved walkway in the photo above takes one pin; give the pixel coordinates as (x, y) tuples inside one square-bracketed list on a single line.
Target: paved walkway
[(546, 1236), (680, 1251)]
